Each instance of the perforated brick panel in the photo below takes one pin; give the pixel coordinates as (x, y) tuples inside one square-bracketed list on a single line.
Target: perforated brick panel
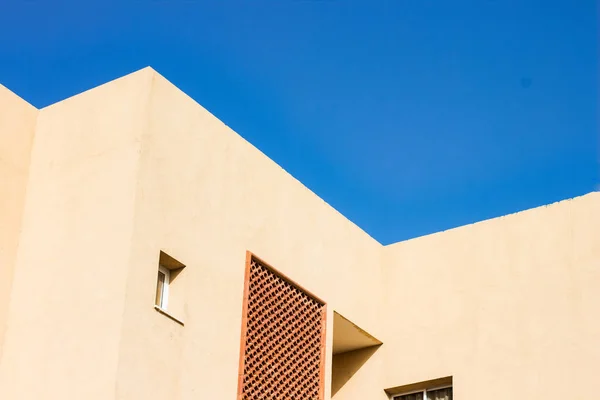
[(283, 344)]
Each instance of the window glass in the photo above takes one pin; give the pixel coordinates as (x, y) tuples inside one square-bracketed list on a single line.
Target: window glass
[(440, 394), (435, 394), (160, 287)]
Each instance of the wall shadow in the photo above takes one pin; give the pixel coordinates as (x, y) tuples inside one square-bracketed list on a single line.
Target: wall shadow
[(345, 365)]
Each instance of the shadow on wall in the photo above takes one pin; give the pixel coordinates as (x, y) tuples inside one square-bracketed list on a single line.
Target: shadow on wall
[(345, 365)]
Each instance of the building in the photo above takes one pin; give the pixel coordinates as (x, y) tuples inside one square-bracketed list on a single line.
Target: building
[(149, 252)]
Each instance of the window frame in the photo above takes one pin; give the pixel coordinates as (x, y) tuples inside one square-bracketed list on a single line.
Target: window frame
[(424, 391), (164, 295)]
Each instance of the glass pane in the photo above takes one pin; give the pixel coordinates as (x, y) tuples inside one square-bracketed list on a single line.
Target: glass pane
[(160, 285), (440, 394)]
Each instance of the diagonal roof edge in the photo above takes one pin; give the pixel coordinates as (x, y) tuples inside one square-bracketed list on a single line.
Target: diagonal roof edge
[(149, 69)]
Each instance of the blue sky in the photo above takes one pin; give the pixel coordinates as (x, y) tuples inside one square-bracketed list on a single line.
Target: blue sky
[(408, 116)]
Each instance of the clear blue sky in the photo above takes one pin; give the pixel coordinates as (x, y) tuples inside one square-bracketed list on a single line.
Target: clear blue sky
[(408, 116)]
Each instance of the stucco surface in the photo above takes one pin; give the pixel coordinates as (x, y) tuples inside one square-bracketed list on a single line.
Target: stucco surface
[(17, 125), (68, 290), (205, 196), (507, 307)]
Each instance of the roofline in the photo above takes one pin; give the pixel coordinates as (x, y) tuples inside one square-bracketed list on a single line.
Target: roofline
[(149, 69)]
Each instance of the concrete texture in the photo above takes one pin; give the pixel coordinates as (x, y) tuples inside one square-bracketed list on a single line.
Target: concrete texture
[(510, 303), (17, 127), (106, 180)]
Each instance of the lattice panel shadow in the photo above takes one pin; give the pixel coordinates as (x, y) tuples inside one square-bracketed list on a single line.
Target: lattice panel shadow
[(283, 353)]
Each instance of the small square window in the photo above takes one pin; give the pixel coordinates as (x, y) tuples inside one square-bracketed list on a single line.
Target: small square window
[(169, 297), (162, 287)]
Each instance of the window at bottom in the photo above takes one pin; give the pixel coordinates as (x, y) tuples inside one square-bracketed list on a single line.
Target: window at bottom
[(430, 394)]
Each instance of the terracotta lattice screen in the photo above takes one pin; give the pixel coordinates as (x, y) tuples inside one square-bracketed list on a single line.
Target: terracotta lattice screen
[(283, 338)]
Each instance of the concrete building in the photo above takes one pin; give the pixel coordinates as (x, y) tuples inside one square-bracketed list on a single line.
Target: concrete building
[(149, 252)]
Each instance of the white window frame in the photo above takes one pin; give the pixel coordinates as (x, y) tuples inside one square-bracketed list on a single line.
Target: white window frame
[(424, 391), (164, 296)]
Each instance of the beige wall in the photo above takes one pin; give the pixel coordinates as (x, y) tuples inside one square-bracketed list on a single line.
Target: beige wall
[(134, 167), (509, 307), (121, 172), (69, 285), (17, 125), (205, 196)]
